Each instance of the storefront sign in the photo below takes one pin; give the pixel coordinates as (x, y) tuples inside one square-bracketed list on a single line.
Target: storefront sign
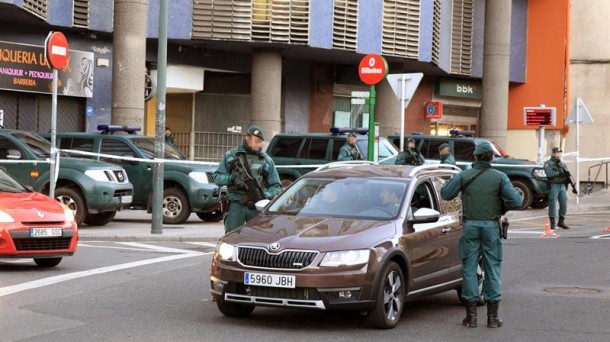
[(458, 88), (24, 68), (434, 109)]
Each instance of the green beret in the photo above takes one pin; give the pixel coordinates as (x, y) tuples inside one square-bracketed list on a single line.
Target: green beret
[(442, 146), (256, 131), (482, 147)]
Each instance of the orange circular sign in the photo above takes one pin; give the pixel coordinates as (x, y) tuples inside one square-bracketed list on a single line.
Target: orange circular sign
[(372, 69)]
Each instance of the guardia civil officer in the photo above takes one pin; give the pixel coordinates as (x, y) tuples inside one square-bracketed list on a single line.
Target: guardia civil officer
[(557, 174), (410, 156), (446, 156), (241, 206), (483, 192), (349, 151)]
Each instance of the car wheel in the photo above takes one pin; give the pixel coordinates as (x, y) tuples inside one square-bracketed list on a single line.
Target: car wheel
[(525, 193), (100, 219), (213, 216), (47, 262), (540, 203), (176, 208), (74, 200), (481, 278), (234, 309), (390, 299)]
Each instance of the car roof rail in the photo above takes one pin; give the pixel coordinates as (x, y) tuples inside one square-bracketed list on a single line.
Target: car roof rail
[(344, 163), (433, 167)]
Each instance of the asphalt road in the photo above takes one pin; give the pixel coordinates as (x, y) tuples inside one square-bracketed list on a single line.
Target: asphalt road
[(555, 289)]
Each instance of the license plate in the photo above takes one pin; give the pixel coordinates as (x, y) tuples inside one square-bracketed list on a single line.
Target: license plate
[(126, 199), (269, 280), (45, 232)]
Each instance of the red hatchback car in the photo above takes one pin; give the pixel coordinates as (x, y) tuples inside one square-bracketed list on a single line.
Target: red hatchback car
[(33, 225)]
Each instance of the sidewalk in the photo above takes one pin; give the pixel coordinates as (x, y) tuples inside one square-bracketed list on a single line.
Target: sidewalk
[(136, 225)]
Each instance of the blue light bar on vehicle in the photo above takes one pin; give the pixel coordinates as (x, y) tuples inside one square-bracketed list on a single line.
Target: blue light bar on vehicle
[(462, 133), (118, 128), (341, 130)]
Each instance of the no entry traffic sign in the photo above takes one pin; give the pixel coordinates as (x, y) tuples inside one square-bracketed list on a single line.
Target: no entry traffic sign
[(372, 69), (56, 50)]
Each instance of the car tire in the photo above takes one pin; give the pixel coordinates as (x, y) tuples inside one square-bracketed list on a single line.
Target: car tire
[(176, 207), (75, 201), (481, 278), (100, 219), (234, 309), (525, 192), (212, 216), (540, 203), (390, 299), (47, 262)]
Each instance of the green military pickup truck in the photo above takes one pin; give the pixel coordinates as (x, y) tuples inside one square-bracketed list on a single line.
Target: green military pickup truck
[(526, 176), (187, 185), (94, 190)]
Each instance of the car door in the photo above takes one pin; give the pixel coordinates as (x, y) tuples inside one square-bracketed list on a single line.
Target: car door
[(451, 216), (428, 244)]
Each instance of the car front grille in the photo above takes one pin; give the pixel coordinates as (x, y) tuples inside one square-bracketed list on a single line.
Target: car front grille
[(288, 260), (275, 292), (42, 244), (210, 177)]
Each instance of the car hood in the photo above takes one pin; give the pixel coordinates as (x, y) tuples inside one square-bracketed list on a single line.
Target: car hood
[(86, 164), (187, 167), (312, 233), (31, 207), (514, 161)]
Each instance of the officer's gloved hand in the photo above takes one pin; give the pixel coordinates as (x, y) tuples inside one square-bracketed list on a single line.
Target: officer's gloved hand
[(238, 182), (355, 155)]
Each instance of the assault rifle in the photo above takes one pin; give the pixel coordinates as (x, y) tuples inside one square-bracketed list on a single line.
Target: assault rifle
[(569, 180), (241, 172)]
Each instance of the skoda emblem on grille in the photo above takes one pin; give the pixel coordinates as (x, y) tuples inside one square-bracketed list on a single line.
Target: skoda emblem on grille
[(40, 214), (274, 247)]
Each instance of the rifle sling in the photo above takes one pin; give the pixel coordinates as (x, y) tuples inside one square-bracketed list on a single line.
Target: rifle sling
[(463, 187)]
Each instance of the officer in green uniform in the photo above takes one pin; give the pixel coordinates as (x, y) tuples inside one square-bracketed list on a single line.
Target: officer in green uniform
[(446, 157), (241, 207), (483, 200), (557, 174), (410, 156), (349, 150)]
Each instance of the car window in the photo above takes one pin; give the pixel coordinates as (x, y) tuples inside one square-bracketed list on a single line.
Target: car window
[(314, 149), (337, 144), (463, 150), (115, 147), (386, 149), (423, 197), (433, 148), (287, 147), (78, 144), (39, 146), (446, 206), (147, 146)]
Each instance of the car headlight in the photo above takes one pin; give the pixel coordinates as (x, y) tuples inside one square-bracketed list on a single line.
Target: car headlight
[(539, 173), (199, 176), (346, 258), (97, 175), (6, 218), (68, 213), (226, 251)]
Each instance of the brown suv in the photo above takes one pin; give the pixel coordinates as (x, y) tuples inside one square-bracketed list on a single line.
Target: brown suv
[(346, 236)]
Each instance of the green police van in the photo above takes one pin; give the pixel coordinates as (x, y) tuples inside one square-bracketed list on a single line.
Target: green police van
[(187, 186), (94, 190)]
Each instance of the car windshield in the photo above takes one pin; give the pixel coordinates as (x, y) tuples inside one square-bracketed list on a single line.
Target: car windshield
[(386, 149), (358, 198), (8, 184), (147, 146), (39, 146)]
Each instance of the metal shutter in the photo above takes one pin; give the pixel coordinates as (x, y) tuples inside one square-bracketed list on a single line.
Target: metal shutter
[(436, 32), (461, 36), (222, 19), (345, 24), (36, 7), (81, 13), (401, 28)]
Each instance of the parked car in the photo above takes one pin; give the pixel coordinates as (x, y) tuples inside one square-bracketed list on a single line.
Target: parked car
[(33, 225), (296, 154), (187, 185), (93, 190), (526, 176), (345, 237)]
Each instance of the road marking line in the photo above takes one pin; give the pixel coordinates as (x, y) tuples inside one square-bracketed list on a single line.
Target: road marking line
[(523, 232), (605, 236), (8, 290), (80, 244), (157, 248), (206, 244)]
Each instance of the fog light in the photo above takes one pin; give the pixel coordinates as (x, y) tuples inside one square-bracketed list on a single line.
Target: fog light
[(217, 285), (345, 294)]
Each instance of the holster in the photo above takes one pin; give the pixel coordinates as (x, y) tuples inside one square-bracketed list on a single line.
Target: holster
[(246, 201), (503, 224)]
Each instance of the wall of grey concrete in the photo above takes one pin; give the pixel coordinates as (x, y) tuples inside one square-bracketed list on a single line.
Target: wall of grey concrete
[(296, 77)]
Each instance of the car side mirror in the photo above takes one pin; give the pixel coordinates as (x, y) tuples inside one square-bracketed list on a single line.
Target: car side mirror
[(262, 204), (13, 154), (425, 215)]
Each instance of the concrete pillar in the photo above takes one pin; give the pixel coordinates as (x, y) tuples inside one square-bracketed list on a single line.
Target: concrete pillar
[(496, 64), (129, 62), (266, 99)]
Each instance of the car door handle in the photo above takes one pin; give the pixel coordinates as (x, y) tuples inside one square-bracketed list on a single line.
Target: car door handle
[(445, 230)]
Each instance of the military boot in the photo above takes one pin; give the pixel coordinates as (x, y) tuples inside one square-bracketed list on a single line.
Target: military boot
[(471, 315), (492, 315), (552, 221), (562, 224)]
